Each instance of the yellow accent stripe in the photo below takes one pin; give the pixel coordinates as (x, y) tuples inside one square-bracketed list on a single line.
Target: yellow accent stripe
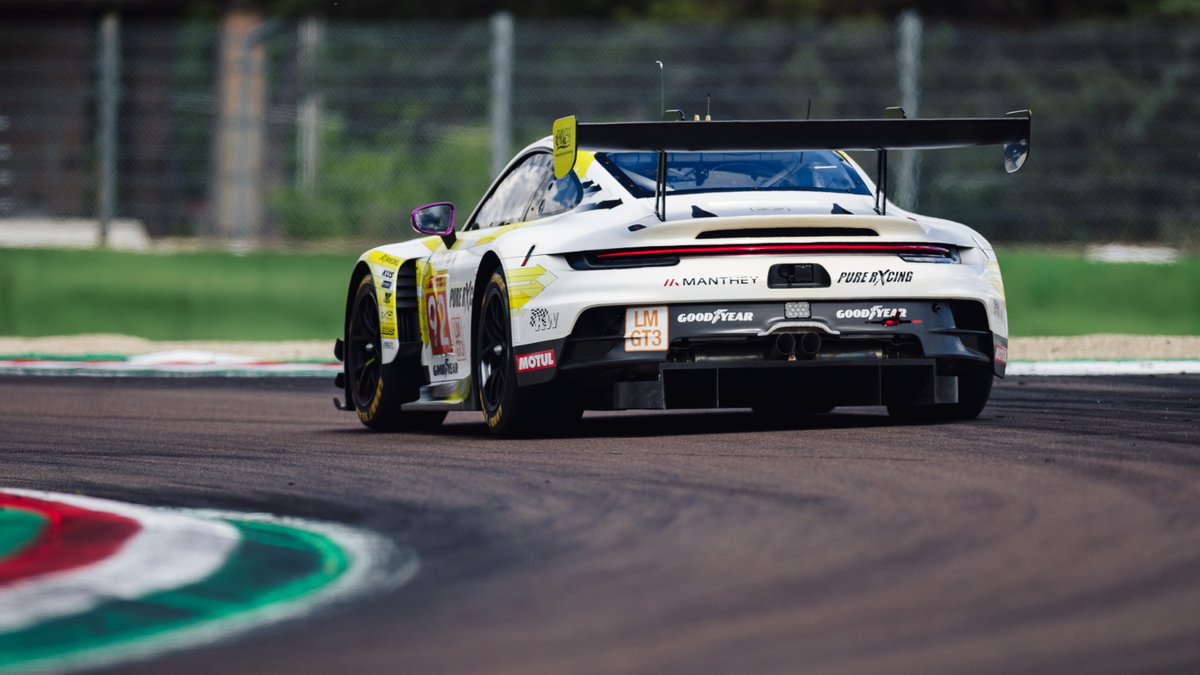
[(583, 162), (526, 283), (490, 234)]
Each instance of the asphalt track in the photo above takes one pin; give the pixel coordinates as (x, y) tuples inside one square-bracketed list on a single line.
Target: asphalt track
[(1060, 532)]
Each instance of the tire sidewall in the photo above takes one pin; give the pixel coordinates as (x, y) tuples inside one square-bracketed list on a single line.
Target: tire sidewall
[(367, 411), (498, 417), (520, 411)]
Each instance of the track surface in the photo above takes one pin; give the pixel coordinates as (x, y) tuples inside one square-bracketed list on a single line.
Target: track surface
[(1058, 533)]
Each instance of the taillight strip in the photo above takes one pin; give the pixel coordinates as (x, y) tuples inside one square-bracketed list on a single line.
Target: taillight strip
[(761, 249)]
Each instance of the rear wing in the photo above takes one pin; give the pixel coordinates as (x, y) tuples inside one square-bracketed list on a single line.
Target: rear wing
[(879, 135)]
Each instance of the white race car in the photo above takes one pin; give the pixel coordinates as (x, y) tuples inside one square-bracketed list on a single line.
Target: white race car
[(739, 264)]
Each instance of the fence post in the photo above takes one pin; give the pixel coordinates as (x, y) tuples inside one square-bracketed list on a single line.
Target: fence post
[(7, 203), (502, 72), (107, 130), (909, 59), (308, 139), (242, 96)]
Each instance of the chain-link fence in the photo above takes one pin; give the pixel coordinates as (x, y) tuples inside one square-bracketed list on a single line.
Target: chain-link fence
[(289, 130)]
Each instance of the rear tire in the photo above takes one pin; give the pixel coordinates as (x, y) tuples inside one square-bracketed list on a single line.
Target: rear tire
[(377, 390), (974, 389), (511, 410)]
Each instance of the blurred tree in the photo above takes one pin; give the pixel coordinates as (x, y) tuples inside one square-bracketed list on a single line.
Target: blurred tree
[(1011, 12), (1003, 11)]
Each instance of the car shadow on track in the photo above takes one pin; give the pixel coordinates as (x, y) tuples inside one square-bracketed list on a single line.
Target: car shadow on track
[(639, 425)]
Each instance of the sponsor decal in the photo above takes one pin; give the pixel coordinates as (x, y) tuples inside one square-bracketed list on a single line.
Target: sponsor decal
[(445, 368), (384, 259), (563, 131), (745, 280), (457, 331), (876, 278), (542, 319), (1002, 355), (385, 293), (437, 314), (716, 316), (527, 363), (646, 329), (872, 313), (460, 296)]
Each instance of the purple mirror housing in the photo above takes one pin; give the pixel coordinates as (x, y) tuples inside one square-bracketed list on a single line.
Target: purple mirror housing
[(434, 219)]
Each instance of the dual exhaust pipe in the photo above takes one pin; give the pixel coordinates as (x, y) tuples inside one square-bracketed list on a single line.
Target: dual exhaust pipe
[(791, 346)]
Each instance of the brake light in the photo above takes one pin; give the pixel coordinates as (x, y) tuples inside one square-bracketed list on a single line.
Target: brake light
[(925, 251)]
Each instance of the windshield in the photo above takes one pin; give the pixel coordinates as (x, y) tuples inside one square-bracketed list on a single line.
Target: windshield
[(819, 170)]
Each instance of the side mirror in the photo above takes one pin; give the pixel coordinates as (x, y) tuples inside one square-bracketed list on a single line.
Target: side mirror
[(435, 219)]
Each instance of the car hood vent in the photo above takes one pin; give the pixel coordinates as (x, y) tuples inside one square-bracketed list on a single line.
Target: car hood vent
[(772, 232)]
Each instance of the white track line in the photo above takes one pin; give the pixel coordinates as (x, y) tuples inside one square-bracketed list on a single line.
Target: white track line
[(170, 551), (1060, 368), (133, 369), (232, 369)]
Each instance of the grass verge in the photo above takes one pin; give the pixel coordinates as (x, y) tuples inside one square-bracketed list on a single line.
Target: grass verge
[(1064, 294), (186, 296), (276, 296)]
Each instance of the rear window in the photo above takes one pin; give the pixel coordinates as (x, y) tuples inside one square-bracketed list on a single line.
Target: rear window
[(689, 172)]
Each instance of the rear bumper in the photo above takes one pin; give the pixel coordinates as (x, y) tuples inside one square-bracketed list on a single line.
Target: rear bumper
[(745, 354)]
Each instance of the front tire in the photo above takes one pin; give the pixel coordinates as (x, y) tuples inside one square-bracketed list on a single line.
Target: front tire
[(377, 390)]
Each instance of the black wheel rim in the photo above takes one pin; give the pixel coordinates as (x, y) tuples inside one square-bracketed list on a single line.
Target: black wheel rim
[(363, 347), (493, 349)]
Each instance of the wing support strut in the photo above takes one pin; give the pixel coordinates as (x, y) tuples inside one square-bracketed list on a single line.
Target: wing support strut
[(881, 181), (660, 187)]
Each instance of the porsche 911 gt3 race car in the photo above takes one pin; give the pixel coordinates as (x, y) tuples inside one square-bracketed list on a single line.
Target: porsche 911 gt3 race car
[(728, 264)]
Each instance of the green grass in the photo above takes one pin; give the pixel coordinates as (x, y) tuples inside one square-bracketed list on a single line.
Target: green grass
[(1063, 294), (189, 296), (275, 296)]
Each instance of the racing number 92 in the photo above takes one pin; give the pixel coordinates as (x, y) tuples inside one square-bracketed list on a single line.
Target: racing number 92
[(646, 329), (438, 315)]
